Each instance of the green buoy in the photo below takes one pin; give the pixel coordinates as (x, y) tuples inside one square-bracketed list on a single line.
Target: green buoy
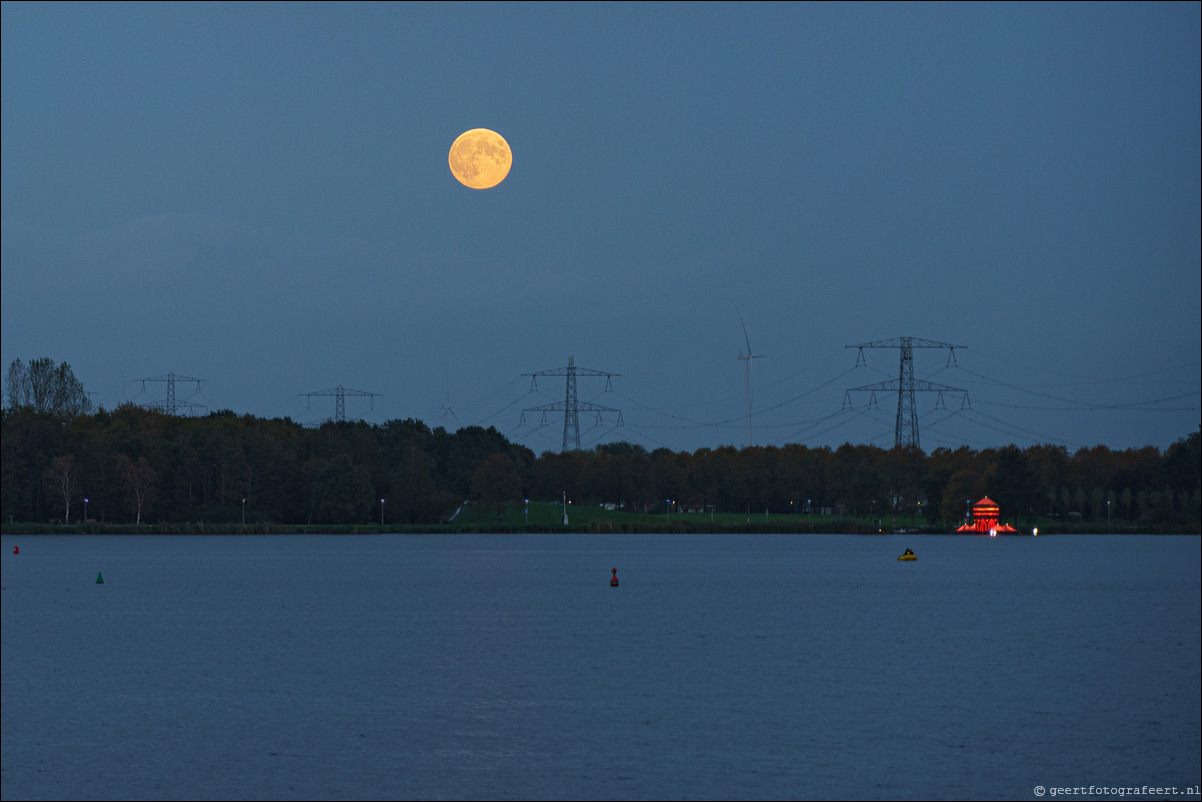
[(99, 579)]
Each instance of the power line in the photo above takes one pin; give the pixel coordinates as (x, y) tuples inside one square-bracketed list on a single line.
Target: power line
[(172, 405), (905, 432), (571, 405), (340, 393)]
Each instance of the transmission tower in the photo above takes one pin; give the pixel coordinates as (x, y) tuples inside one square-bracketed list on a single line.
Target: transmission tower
[(172, 406), (570, 407), (906, 430), (340, 393)]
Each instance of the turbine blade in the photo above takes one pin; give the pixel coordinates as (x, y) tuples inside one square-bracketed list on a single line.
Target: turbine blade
[(744, 325)]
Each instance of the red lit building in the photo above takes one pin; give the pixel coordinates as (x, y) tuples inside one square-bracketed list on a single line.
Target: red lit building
[(984, 519)]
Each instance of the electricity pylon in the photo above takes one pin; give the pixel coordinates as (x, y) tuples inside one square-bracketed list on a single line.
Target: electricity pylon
[(570, 407), (906, 430), (340, 393), (172, 406)]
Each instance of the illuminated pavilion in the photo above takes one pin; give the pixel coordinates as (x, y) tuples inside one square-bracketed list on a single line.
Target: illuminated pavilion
[(984, 519)]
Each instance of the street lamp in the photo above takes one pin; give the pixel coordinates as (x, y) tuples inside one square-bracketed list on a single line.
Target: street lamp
[(85, 510), (244, 512), (1108, 512), (668, 510), (381, 512), (527, 512)]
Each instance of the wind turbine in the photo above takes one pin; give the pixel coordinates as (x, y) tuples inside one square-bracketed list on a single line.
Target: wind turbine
[(446, 409), (747, 357)]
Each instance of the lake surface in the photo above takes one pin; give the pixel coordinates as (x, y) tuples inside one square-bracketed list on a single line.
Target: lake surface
[(503, 666)]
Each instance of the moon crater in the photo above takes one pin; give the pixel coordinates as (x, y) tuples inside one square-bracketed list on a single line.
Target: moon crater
[(480, 158)]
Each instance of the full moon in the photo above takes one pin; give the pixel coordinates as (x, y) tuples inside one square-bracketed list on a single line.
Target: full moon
[(480, 158)]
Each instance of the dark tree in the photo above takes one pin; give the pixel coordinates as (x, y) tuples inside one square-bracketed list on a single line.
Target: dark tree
[(1016, 486), (496, 481), (44, 386), (342, 492)]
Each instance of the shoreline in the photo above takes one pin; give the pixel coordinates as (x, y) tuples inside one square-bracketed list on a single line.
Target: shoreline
[(835, 527)]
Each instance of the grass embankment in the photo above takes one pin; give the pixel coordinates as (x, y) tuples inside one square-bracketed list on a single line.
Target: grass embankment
[(548, 517), (478, 518)]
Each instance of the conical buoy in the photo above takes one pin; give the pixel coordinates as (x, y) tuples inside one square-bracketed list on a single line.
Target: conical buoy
[(613, 583), (99, 579), (16, 549)]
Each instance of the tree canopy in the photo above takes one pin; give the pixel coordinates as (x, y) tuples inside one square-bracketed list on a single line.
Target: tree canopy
[(45, 386), (139, 464)]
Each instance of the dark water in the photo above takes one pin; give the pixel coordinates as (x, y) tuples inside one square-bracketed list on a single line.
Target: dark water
[(506, 667)]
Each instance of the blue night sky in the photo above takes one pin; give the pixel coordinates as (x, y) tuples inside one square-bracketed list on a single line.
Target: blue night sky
[(258, 195)]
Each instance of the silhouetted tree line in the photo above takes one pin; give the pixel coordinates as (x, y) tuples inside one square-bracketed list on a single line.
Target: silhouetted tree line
[(139, 465)]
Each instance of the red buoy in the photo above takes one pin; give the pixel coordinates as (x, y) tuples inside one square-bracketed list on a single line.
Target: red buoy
[(16, 549), (613, 583)]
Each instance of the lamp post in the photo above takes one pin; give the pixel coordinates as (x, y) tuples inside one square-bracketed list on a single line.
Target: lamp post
[(527, 511), (809, 513), (244, 512), (668, 510), (381, 512), (1108, 512), (85, 510)]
